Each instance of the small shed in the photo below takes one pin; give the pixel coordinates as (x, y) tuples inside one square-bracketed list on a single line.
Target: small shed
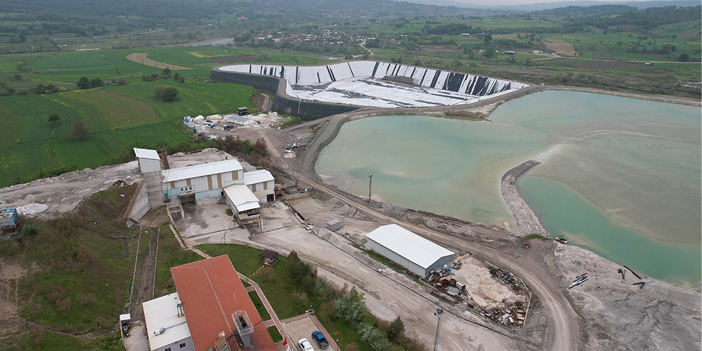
[(334, 225), (8, 218), (242, 111), (268, 257), (149, 160)]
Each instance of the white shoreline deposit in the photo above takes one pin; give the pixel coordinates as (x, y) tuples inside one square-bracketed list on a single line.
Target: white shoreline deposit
[(382, 84)]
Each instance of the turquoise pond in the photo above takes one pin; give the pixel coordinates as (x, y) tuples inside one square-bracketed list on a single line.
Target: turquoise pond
[(620, 176)]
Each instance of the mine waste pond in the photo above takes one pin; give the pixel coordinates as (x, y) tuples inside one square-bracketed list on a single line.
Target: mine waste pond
[(620, 176)]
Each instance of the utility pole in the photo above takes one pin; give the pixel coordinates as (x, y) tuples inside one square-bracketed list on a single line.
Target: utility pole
[(370, 183), (438, 313)]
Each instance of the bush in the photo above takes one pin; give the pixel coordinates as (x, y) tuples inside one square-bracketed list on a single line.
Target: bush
[(166, 94), (96, 82), (83, 83), (350, 306), (54, 119), (396, 329), (149, 77), (80, 131)]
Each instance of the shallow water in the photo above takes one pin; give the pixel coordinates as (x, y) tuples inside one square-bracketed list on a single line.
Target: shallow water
[(620, 176)]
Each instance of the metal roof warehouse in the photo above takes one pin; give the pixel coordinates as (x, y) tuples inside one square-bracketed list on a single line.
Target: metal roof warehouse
[(407, 249)]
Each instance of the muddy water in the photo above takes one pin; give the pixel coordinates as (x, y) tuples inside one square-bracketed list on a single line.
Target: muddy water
[(619, 176)]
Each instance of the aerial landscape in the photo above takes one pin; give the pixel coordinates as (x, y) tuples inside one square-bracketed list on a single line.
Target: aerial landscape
[(350, 175)]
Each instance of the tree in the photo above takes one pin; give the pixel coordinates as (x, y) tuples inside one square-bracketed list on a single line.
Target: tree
[(683, 57), (40, 89), (350, 306), (83, 83), (96, 82), (167, 72), (396, 329), (487, 39), (80, 131), (166, 94), (297, 270), (54, 119)]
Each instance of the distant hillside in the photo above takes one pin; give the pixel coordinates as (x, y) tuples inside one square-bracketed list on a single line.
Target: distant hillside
[(190, 9), (540, 6)]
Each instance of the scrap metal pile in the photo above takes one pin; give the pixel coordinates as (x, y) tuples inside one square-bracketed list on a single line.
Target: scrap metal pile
[(514, 314), (506, 277), (509, 314)]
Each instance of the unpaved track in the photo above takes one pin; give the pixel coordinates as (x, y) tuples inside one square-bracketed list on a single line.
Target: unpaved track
[(563, 324), (140, 57)]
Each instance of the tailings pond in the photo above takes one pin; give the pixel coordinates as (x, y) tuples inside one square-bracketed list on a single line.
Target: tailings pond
[(620, 176)]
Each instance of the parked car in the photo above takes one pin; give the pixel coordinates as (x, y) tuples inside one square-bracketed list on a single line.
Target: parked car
[(319, 338), (305, 345)]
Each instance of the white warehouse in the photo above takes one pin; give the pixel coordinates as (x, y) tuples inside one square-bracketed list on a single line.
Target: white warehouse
[(407, 249)]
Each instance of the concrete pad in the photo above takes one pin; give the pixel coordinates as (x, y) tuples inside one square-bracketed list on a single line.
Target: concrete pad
[(303, 328), (137, 340)]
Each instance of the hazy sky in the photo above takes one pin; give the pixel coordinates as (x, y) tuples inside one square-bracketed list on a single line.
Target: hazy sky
[(516, 2)]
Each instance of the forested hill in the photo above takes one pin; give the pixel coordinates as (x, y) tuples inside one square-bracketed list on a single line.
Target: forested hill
[(604, 16), (192, 9)]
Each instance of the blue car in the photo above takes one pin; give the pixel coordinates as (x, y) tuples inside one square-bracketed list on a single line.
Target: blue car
[(320, 340)]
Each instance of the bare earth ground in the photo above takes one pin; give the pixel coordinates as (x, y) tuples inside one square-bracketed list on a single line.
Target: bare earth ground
[(140, 57), (560, 47), (10, 322), (388, 294), (602, 313)]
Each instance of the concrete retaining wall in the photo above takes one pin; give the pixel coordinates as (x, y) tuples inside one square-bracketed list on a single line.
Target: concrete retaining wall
[(282, 103), (141, 204)]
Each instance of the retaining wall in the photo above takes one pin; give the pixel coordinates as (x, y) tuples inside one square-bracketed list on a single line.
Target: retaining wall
[(282, 103)]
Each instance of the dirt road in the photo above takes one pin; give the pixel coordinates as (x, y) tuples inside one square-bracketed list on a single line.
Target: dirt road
[(563, 322)]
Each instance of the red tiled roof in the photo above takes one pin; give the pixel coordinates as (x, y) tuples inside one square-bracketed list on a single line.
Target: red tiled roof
[(211, 292)]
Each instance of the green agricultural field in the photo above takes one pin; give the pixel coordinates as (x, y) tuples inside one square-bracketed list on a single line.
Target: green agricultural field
[(13, 126), (152, 136), (23, 160), (195, 98), (118, 110), (118, 117)]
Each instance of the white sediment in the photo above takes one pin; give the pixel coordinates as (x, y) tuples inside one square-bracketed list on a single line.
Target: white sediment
[(358, 83)]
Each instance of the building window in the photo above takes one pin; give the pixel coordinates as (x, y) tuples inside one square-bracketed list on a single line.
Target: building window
[(182, 345), (167, 349)]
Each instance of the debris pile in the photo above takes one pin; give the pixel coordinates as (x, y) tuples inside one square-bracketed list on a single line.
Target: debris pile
[(31, 209), (506, 312), (513, 314), (578, 280), (506, 277)]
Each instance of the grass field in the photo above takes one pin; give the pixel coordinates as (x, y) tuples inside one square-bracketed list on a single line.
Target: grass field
[(118, 110), (79, 280), (118, 118)]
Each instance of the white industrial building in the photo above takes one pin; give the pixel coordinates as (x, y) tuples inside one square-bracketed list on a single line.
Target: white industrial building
[(166, 325), (407, 249), (201, 182), (261, 184), (197, 183), (244, 204)]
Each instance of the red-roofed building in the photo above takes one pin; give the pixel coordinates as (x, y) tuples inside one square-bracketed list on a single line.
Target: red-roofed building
[(214, 301)]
